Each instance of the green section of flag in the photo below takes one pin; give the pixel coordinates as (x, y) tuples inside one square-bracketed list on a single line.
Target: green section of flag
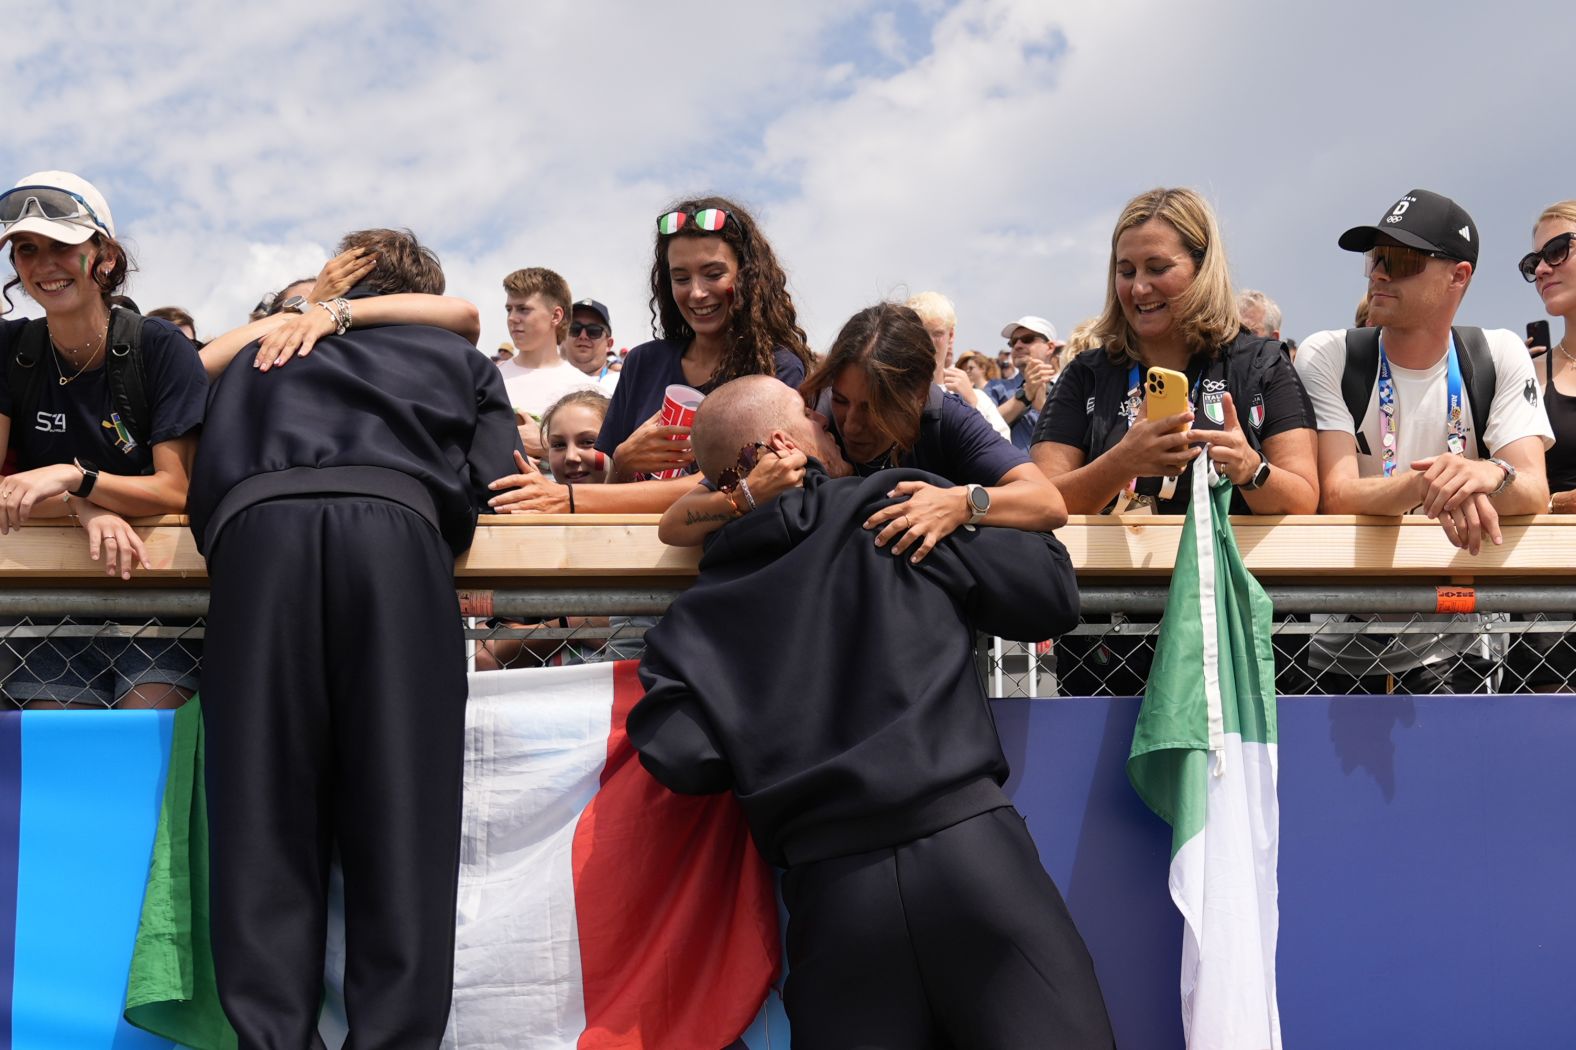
[(1169, 760), (171, 991)]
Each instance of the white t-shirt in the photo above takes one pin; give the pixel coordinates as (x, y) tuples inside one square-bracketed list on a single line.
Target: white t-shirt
[(1420, 402), (1421, 396), (533, 390), (992, 414)]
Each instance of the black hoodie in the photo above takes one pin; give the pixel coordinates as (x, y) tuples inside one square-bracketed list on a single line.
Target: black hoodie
[(831, 685), (403, 412)]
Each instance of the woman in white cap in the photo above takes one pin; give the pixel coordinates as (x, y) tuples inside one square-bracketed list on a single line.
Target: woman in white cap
[(100, 409)]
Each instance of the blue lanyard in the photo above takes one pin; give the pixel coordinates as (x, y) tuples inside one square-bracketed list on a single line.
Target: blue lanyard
[(1455, 415)]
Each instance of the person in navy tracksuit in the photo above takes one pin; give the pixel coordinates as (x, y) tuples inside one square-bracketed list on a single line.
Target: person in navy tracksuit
[(330, 499), (832, 688)]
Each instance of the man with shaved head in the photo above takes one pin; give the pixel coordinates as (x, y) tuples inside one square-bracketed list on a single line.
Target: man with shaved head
[(832, 688)]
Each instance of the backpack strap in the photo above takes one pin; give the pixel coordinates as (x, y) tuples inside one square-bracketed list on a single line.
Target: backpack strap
[(26, 375), (1359, 376), (127, 373), (1480, 377)]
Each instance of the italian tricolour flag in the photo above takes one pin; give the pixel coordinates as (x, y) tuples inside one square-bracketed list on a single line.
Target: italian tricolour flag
[(1204, 759)]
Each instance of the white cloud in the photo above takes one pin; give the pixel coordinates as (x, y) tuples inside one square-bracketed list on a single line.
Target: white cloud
[(982, 148)]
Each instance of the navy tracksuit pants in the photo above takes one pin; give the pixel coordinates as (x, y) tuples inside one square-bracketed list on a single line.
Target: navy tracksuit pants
[(333, 692)]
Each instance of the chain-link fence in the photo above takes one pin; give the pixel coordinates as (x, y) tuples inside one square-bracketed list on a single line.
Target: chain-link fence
[(95, 649)]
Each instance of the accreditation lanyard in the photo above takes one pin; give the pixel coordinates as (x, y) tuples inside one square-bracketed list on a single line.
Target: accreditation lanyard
[(1455, 415), (1135, 395)]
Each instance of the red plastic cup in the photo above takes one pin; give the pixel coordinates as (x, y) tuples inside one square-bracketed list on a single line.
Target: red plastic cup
[(679, 403)]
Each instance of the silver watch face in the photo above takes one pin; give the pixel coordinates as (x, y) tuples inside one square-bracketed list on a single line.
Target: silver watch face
[(296, 304), (979, 499)]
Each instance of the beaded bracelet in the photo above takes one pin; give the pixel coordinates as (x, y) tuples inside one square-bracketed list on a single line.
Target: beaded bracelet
[(343, 317)]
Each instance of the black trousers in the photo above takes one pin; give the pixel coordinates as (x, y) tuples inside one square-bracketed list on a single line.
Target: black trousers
[(334, 692), (956, 940)]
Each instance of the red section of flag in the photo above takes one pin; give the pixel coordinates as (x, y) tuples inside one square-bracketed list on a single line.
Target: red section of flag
[(677, 910)]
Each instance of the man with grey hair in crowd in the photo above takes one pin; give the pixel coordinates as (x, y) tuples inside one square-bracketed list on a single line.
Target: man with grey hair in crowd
[(1260, 314), (832, 688)]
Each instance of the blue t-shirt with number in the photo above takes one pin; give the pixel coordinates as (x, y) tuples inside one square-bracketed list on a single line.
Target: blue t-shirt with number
[(75, 420)]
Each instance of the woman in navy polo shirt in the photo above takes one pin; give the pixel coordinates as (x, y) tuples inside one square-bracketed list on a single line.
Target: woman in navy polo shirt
[(79, 451), (874, 392), (720, 301)]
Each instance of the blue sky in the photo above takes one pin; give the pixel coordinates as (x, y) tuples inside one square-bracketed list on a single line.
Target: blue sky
[(982, 148)]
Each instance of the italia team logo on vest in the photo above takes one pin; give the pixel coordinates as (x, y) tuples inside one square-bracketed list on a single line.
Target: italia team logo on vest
[(1214, 401), (1256, 412)]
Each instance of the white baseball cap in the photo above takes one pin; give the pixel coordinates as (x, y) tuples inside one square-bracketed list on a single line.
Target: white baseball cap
[(1033, 324), (55, 204)]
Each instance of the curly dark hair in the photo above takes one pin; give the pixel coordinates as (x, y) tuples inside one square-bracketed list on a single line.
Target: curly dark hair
[(109, 281), (763, 316), (888, 342)]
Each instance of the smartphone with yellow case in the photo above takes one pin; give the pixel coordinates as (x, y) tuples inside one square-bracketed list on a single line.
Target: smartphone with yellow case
[(1165, 394)]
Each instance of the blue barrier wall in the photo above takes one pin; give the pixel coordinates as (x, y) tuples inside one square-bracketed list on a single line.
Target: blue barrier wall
[(1427, 867)]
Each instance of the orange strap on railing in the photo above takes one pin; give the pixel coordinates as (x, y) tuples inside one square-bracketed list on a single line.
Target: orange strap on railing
[(1455, 599), (476, 603)]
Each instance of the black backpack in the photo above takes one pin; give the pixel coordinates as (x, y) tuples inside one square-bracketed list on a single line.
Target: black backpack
[(126, 372), (1478, 375)]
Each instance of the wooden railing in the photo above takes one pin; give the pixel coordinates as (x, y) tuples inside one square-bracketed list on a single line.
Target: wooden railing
[(541, 550)]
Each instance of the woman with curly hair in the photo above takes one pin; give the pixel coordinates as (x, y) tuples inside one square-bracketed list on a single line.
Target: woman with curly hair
[(720, 301)]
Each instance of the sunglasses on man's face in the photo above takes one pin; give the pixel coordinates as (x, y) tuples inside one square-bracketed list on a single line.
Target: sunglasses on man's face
[(749, 456), (595, 331), (1399, 261), (708, 219), (1554, 252), (1031, 338)]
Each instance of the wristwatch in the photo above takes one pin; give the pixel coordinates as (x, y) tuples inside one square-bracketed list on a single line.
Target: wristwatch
[(90, 475), (1510, 475), (979, 503), (1023, 395), (296, 304), (1260, 476)]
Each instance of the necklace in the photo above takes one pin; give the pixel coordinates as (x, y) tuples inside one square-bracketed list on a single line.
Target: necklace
[(1560, 346), (91, 349)]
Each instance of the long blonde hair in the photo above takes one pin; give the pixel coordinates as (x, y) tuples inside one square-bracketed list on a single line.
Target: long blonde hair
[(1207, 312)]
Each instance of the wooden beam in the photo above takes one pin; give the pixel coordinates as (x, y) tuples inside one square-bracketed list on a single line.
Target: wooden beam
[(584, 549)]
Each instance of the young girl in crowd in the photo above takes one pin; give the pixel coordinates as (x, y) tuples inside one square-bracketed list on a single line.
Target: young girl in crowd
[(569, 429), (874, 392), (720, 301), (101, 409)]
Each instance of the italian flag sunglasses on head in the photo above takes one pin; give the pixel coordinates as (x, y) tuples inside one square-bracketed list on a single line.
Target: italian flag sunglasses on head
[(709, 219)]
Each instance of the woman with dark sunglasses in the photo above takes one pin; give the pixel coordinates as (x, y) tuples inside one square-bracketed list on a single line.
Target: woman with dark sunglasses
[(1544, 661), (720, 301), (875, 394), (100, 408), (1549, 267)]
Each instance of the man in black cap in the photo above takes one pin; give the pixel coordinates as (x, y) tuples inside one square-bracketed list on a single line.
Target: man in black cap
[(330, 499), (1416, 416), (591, 342), (832, 688)]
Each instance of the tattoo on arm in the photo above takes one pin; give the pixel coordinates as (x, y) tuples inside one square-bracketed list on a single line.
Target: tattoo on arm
[(696, 517)]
